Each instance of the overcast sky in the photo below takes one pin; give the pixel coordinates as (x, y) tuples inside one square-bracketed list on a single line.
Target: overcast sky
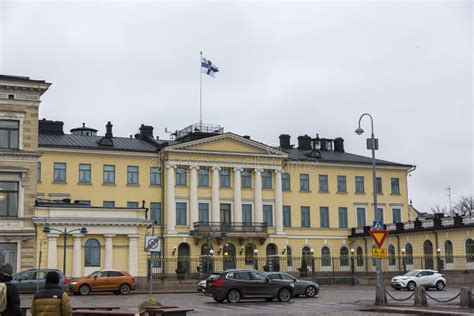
[(286, 67)]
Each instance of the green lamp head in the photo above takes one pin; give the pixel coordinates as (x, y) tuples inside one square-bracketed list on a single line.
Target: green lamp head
[(359, 131)]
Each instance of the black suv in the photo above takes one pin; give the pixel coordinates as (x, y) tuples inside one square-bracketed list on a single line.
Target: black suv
[(234, 285)]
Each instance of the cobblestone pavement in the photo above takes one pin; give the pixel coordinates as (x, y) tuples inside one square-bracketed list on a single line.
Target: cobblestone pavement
[(332, 300)]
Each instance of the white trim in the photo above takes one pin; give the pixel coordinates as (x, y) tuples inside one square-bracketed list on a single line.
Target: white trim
[(199, 163), (101, 152), (349, 165)]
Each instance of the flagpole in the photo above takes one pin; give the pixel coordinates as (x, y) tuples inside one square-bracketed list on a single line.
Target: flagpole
[(200, 92)]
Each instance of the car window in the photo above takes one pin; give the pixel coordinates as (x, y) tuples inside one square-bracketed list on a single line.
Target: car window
[(257, 276), (214, 277), (273, 276), (287, 277), (231, 276), (411, 273), (429, 273), (115, 274), (243, 276), (41, 275), (103, 274), (26, 276)]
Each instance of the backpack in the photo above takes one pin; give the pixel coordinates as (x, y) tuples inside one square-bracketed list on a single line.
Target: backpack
[(3, 297)]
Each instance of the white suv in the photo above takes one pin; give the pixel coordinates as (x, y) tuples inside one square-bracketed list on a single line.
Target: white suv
[(414, 278)]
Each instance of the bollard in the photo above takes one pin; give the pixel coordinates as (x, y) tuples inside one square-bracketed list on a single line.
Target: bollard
[(466, 297), (420, 297), (380, 296)]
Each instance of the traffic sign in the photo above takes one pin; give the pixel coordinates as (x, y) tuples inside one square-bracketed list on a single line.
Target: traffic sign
[(152, 243), (378, 236), (379, 253)]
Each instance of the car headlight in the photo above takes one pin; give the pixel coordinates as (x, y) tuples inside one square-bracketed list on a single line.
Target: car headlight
[(73, 283), (292, 285)]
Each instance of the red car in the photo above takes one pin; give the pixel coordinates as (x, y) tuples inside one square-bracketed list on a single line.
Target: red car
[(118, 282)]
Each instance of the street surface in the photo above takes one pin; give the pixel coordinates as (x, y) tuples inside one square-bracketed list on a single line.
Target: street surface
[(332, 300)]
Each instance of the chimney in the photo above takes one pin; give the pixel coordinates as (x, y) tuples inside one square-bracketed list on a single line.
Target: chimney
[(304, 142), (285, 141), (50, 127), (339, 145), (246, 136), (146, 131), (108, 127)]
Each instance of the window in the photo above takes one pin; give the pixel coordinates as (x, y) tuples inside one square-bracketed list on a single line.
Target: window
[(379, 214), (246, 179), (155, 176), (84, 202), (181, 216), (324, 216), (344, 257), (286, 216), (132, 175), (323, 183), (360, 257), (155, 212), (109, 174), (9, 134), (247, 214), (409, 253), (395, 184), (59, 172), (268, 215), (203, 216), (285, 182), (360, 217), (359, 184), (305, 217), (342, 217), (470, 250), (391, 255), (378, 185), (181, 176), (132, 204), (84, 173), (266, 180), (289, 256), (448, 252), (341, 184), (225, 178), (108, 204), (203, 177), (92, 253), (38, 171), (396, 215), (325, 257), (304, 182), (9, 203), (249, 254)]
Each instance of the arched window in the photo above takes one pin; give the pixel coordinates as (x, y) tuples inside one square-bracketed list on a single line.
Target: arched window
[(306, 257), (289, 256), (344, 257), (183, 258), (448, 252), (470, 250), (428, 252), (325, 257), (409, 253), (360, 257), (92, 253), (249, 254), (391, 255)]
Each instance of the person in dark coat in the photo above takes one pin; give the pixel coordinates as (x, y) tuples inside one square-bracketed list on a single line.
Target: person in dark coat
[(9, 298), (52, 301)]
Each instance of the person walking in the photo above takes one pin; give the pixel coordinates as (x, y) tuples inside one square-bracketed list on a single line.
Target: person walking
[(9, 298), (52, 300)]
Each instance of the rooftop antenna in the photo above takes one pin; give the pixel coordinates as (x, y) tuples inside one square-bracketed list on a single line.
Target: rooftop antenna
[(171, 133), (449, 195)]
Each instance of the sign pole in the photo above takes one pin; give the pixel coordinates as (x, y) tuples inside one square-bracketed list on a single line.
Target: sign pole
[(378, 235)]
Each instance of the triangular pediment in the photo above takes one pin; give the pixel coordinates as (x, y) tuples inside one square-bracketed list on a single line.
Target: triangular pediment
[(227, 143)]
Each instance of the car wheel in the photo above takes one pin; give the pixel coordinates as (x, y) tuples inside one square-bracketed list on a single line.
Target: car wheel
[(124, 289), (218, 300), (411, 286), (233, 296), (284, 295), (84, 289), (440, 285), (310, 291)]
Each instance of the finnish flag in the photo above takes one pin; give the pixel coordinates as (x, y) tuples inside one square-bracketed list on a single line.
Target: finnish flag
[(207, 67)]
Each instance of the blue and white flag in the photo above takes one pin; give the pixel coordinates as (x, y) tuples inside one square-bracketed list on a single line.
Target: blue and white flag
[(208, 67)]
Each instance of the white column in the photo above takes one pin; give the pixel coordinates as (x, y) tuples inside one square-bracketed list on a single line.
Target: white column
[(133, 255), (170, 200), (215, 202), (77, 256), (278, 203), (258, 196), (193, 197), (237, 195), (52, 251), (109, 251)]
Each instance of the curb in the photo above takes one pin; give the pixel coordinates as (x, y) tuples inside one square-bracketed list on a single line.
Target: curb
[(418, 311)]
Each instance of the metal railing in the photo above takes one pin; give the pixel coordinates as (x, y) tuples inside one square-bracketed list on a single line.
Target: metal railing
[(207, 227)]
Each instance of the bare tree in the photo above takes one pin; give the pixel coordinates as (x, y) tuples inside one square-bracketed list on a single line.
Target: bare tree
[(439, 209), (465, 206)]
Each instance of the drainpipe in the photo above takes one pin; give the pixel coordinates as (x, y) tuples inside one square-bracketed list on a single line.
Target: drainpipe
[(366, 257), (398, 252), (162, 212)]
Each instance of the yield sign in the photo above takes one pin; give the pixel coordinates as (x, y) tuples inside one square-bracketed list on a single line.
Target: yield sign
[(378, 236)]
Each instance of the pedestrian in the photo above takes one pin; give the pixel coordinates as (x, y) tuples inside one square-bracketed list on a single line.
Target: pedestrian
[(9, 298), (52, 300)]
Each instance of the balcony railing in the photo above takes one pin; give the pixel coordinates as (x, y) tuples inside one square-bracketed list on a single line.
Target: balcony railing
[(233, 229)]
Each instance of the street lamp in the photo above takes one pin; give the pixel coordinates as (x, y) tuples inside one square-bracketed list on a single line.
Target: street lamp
[(64, 233), (438, 258), (403, 261), (255, 253), (352, 266)]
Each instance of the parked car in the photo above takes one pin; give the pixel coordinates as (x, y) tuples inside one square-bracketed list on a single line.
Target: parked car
[(414, 278), (201, 286), (302, 287), (235, 285), (118, 282), (31, 280)]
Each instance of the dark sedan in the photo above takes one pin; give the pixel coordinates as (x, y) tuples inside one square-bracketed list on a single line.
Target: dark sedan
[(302, 287), (234, 285)]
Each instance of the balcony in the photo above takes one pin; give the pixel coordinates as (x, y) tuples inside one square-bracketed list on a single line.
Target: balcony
[(219, 230)]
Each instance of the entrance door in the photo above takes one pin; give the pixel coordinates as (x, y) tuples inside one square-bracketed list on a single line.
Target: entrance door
[(273, 263), (8, 254), (225, 217), (229, 257), (428, 252)]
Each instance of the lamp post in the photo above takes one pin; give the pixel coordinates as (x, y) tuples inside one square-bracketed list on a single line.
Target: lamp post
[(255, 253), (404, 263), (438, 259), (352, 266), (64, 233), (312, 263)]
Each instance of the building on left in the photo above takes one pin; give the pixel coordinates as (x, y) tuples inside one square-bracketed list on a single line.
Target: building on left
[(20, 98)]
